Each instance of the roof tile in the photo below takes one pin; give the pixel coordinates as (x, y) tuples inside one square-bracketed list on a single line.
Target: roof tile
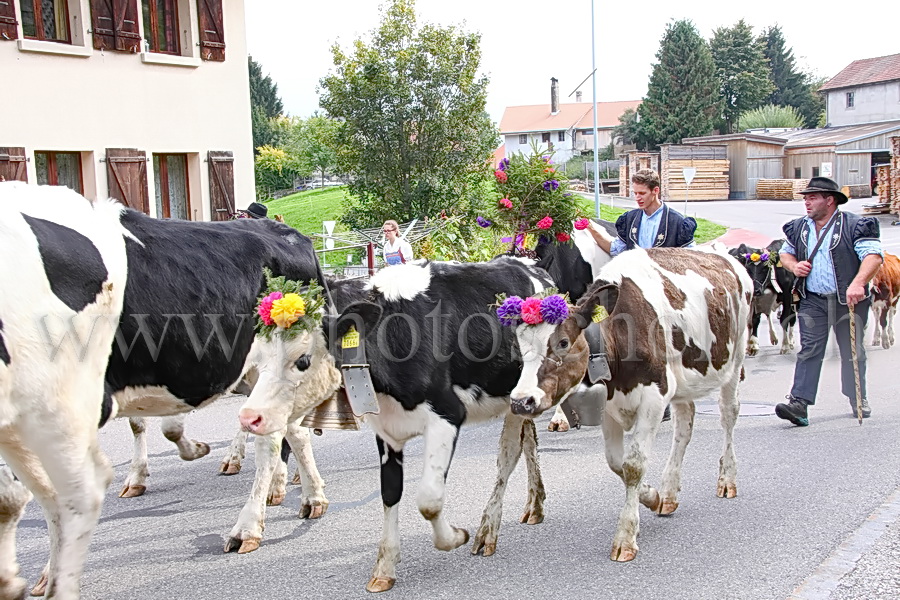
[(866, 71)]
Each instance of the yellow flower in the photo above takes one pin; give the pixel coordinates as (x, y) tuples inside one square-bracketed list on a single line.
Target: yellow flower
[(286, 310), (755, 257)]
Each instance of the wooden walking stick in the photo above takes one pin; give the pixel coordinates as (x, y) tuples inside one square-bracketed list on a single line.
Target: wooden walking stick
[(855, 358)]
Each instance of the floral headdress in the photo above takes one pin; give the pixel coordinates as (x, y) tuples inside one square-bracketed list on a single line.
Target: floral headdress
[(760, 257), (549, 307), (288, 306)]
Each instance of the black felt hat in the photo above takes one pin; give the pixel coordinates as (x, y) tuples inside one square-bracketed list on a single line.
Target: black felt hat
[(257, 211), (825, 186)]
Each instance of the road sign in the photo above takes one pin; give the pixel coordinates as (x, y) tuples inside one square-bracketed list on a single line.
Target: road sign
[(328, 226), (689, 173)]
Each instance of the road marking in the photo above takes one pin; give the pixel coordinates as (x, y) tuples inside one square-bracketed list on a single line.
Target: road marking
[(826, 578)]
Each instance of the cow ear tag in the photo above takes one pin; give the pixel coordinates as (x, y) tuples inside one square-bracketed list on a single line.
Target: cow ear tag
[(599, 313), (351, 338), (778, 264)]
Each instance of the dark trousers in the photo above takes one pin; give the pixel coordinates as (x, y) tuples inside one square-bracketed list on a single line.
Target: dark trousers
[(817, 316)]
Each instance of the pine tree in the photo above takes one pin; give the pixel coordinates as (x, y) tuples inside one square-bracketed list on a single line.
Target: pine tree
[(264, 105), (744, 73), (792, 86), (683, 93)]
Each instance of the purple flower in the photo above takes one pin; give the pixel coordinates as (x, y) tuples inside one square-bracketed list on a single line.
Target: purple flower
[(547, 160), (482, 222), (554, 309), (510, 312), (764, 257), (551, 184), (504, 164)]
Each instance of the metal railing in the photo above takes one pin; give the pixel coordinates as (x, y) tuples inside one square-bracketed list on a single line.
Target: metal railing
[(350, 270)]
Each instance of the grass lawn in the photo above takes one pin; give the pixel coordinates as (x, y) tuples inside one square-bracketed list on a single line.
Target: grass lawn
[(305, 211)]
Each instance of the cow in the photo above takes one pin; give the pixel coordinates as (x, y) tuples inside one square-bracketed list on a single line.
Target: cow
[(674, 325), (772, 288), (885, 294), (438, 358), (64, 270), (185, 331)]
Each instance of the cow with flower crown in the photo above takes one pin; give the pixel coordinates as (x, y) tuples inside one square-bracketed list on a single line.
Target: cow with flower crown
[(772, 289)]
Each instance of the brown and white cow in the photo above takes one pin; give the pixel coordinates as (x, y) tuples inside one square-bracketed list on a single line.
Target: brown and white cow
[(676, 331), (885, 294)]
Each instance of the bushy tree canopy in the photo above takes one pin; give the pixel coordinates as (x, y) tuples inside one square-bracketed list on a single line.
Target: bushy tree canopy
[(264, 105), (683, 95), (743, 70), (792, 87), (769, 116), (414, 135)]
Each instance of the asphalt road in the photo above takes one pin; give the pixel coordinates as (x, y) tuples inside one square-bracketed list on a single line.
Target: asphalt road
[(815, 516)]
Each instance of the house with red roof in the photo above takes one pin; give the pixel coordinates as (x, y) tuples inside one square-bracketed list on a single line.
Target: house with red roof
[(866, 91), (565, 128)]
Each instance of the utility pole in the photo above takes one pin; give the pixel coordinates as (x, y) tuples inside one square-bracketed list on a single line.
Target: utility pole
[(594, 83)]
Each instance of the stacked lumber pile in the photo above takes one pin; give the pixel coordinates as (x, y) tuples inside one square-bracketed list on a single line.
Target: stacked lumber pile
[(710, 181), (883, 177), (859, 190), (624, 180), (780, 189), (895, 175)]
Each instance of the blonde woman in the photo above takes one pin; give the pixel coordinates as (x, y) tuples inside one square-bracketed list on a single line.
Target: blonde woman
[(396, 250)]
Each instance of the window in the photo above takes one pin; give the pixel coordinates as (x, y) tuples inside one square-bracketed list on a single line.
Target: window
[(170, 177), (545, 137), (523, 138), (562, 136), (161, 26), (46, 20), (850, 99), (815, 171), (59, 168), (587, 132), (796, 172)]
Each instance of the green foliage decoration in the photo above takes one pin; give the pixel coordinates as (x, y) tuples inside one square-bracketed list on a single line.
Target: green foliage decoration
[(770, 116)]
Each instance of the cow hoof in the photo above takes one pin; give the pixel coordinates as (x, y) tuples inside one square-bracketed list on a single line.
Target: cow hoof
[(132, 491), (622, 554), (275, 499), (667, 507), (532, 516), (651, 500), (242, 546), (479, 546), (230, 467), (726, 490), (460, 538), (40, 588), (297, 480), (201, 449), (380, 584), (313, 510), (558, 426)]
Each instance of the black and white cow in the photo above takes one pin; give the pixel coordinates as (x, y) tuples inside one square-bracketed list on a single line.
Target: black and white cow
[(187, 324), (674, 326), (438, 358), (63, 268), (772, 289)]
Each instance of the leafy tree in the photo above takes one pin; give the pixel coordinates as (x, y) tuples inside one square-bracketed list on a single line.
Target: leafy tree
[(264, 105), (683, 94), (317, 143), (744, 73), (769, 116), (414, 135), (272, 168), (628, 129), (792, 87)]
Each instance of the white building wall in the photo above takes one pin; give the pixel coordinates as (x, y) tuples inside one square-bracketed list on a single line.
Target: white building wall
[(562, 151), (871, 103), (61, 97)]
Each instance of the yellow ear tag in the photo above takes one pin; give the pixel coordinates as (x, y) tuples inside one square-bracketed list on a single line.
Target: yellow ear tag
[(599, 313), (350, 339), (778, 264)]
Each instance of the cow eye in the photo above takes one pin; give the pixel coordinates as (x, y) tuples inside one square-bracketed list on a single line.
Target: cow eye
[(302, 363), (563, 343)]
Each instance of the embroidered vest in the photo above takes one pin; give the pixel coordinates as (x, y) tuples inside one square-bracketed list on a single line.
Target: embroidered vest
[(675, 230)]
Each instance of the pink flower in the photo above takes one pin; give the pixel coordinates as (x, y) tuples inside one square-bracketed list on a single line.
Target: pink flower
[(545, 223), (265, 307), (562, 236), (505, 202), (501, 176), (581, 224), (531, 311)]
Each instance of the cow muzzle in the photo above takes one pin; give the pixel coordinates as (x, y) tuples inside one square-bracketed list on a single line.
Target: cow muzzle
[(526, 406)]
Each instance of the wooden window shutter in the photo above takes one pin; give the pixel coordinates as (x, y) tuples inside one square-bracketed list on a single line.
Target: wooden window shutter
[(212, 30), (12, 164), (114, 25), (126, 174), (8, 29), (221, 185)]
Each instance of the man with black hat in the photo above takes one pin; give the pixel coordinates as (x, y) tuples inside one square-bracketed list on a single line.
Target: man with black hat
[(254, 211), (834, 255)]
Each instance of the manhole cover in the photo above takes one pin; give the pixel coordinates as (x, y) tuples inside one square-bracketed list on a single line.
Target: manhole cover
[(748, 409)]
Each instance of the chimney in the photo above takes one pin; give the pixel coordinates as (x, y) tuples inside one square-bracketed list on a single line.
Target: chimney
[(578, 96), (554, 96)]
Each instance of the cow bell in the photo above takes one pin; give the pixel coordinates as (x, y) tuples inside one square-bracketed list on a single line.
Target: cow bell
[(334, 413)]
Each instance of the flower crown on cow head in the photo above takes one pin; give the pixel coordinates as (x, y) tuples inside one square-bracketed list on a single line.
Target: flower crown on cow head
[(761, 257), (547, 307), (288, 306)]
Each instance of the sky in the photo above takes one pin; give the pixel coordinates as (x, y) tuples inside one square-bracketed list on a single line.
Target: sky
[(524, 43)]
